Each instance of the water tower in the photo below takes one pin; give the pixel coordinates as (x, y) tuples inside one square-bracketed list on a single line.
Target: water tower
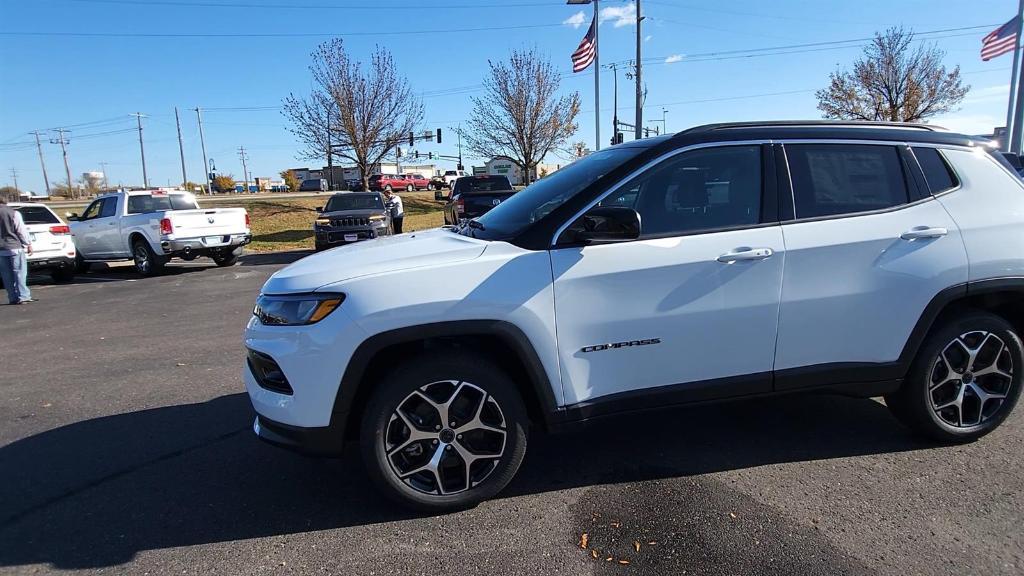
[(93, 180)]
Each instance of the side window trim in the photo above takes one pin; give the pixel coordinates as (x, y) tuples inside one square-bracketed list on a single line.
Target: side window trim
[(652, 163), (99, 208)]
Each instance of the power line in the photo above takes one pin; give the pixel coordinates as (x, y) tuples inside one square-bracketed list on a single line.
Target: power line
[(272, 34)]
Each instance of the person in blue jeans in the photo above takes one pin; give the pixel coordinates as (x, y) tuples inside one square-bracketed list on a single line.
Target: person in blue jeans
[(14, 243)]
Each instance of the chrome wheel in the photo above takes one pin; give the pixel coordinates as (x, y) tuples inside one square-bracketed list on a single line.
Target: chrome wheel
[(445, 438), (970, 379), (142, 262)]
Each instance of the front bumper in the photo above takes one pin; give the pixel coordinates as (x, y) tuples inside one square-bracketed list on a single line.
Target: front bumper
[(320, 441), (204, 243), (328, 236)]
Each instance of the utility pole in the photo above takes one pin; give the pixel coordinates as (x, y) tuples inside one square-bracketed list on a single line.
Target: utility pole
[(202, 142), (459, 132), (245, 169), (330, 152), (615, 105), (597, 78), (639, 71), (46, 179), (64, 148), (106, 180), (142, 150), (14, 174), (181, 149)]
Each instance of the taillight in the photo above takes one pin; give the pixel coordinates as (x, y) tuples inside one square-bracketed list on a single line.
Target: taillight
[(165, 226), (60, 230), (460, 206), (247, 221)]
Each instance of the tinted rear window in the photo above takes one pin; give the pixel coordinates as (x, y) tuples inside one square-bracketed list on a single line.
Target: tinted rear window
[(833, 179), (37, 215), (475, 184), (939, 175), (146, 204)]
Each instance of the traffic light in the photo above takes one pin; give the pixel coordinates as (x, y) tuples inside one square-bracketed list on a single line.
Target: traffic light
[(438, 135), (417, 154), (412, 139), (617, 138), (430, 155)]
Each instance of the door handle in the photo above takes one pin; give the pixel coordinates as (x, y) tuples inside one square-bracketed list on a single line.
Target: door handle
[(111, 223), (922, 232), (746, 254)]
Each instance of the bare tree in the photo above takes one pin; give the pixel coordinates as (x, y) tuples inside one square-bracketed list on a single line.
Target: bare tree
[(356, 114), (893, 81), (521, 116)]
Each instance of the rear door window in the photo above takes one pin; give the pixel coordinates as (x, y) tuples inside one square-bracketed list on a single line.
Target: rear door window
[(837, 179), (937, 173)]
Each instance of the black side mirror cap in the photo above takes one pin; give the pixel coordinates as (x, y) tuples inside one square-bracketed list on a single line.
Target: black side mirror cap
[(319, 208), (608, 224), (71, 215)]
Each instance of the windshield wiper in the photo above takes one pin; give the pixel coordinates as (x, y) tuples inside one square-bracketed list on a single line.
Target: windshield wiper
[(474, 223)]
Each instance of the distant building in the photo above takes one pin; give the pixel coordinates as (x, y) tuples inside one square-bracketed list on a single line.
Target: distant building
[(504, 166)]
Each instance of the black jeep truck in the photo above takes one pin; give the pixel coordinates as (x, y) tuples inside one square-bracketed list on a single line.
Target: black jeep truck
[(350, 217)]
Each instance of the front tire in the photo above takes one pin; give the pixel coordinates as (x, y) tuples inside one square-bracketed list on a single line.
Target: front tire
[(444, 432), (410, 188), (81, 266), (965, 380), (226, 258)]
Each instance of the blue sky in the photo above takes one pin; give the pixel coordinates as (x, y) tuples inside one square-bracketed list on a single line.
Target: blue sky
[(92, 82)]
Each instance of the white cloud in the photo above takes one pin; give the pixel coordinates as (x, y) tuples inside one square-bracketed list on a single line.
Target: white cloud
[(576, 20), (619, 16), (648, 38), (674, 58)]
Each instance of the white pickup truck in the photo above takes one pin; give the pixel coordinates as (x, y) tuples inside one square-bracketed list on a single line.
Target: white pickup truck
[(153, 226)]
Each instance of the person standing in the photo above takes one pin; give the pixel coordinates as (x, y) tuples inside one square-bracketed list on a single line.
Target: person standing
[(14, 242), (397, 210)]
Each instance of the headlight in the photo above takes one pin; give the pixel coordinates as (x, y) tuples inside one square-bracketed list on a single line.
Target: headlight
[(323, 221), (295, 310)]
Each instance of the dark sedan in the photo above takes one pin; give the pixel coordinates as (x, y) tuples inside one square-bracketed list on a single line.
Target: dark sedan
[(350, 217), (473, 196)]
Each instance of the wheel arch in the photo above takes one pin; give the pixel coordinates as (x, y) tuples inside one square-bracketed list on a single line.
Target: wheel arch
[(134, 236), (501, 342), (1001, 296)]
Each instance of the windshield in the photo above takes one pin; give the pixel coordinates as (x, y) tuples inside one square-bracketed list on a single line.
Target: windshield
[(354, 202), (482, 184), (540, 198), (37, 215)]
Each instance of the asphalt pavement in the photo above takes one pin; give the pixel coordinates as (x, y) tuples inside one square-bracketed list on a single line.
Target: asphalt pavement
[(126, 447)]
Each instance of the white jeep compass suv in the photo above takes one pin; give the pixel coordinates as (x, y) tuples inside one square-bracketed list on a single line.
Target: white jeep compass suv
[(727, 261)]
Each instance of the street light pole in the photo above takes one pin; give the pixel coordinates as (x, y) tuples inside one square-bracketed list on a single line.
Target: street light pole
[(597, 69), (639, 83)]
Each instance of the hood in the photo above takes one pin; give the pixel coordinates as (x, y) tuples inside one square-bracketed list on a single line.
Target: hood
[(385, 254), (353, 213)]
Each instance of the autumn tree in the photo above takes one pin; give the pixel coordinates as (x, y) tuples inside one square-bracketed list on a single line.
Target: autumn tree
[(290, 180), (10, 193), (893, 81), (521, 115), (354, 112), (224, 183)]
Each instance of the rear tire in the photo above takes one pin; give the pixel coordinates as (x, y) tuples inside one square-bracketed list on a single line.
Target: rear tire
[(965, 380), (147, 263), (410, 188), (487, 427)]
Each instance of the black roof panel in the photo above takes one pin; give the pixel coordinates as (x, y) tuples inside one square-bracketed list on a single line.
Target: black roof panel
[(830, 129)]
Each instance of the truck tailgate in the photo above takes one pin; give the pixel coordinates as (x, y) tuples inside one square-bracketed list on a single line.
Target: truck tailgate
[(479, 203), (208, 222)]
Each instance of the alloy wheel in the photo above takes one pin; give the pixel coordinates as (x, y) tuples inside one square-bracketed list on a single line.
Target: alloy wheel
[(445, 438), (971, 379), (141, 258)]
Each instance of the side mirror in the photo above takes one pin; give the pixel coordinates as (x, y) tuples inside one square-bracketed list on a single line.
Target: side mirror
[(606, 224), (71, 215), (319, 208)]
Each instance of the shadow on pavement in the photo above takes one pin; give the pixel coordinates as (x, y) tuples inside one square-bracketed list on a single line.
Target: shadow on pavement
[(95, 493), (273, 258)]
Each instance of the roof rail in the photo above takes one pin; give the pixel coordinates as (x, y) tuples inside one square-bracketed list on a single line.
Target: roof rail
[(798, 123)]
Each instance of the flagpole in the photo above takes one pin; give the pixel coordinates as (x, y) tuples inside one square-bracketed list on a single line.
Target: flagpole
[(1012, 127), (597, 78)]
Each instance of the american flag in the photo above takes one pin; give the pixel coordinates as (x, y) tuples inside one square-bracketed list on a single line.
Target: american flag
[(1001, 40), (587, 49)]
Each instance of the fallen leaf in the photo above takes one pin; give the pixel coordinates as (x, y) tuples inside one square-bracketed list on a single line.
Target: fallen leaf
[(731, 515), (623, 561), (651, 543), (636, 545), (615, 524), (47, 405), (593, 553), (608, 559), (583, 540)]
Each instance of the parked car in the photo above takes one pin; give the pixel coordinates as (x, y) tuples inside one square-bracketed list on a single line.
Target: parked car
[(416, 182), (450, 176), (314, 185), (726, 261), (382, 182), (152, 226), (474, 196), (351, 217), (53, 248), (354, 185), (438, 185)]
